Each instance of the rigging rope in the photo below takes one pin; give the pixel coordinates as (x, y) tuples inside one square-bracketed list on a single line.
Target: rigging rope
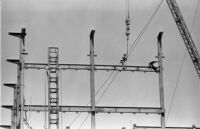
[(100, 97), (101, 87), (132, 47), (142, 32), (175, 89), (27, 124), (105, 82), (84, 121), (106, 89), (195, 15), (95, 95)]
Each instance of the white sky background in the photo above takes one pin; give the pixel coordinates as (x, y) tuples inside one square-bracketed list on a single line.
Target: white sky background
[(67, 24)]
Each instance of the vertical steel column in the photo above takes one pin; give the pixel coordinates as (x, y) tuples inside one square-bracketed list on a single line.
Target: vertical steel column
[(92, 83), (161, 88), (18, 109), (21, 80), (13, 111), (53, 90)]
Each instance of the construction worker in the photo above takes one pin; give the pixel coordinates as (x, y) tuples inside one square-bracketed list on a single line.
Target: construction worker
[(151, 65), (123, 60)]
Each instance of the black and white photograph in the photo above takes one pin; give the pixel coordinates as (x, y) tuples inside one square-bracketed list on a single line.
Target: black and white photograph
[(100, 64)]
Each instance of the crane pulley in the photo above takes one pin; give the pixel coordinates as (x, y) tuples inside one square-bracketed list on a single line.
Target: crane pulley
[(128, 20), (128, 23)]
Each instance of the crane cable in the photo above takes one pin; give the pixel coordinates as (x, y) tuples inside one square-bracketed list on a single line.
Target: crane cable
[(132, 47), (102, 86), (127, 21), (176, 86), (180, 70), (84, 121), (97, 92), (195, 15), (106, 89), (134, 44)]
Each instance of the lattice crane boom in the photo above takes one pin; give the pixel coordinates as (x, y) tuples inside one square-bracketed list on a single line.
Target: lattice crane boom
[(185, 34)]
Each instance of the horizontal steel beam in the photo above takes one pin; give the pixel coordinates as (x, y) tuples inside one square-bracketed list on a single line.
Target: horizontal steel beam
[(15, 61), (5, 126), (157, 127), (87, 67), (98, 109), (11, 85)]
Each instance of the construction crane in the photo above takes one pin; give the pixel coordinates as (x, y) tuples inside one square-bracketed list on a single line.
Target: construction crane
[(185, 34)]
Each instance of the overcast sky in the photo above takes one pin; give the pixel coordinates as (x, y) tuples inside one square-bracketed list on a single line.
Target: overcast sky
[(67, 23)]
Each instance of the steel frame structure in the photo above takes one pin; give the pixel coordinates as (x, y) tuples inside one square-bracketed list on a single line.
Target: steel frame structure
[(18, 108), (17, 111), (93, 109)]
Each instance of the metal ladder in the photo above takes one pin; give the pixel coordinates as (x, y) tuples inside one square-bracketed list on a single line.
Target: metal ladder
[(53, 90)]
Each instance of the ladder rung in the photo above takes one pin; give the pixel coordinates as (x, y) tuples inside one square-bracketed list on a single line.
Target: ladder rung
[(53, 50), (54, 111), (53, 67), (53, 79), (53, 100), (53, 90), (54, 103), (53, 59), (53, 62), (53, 71), (53, 122)]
